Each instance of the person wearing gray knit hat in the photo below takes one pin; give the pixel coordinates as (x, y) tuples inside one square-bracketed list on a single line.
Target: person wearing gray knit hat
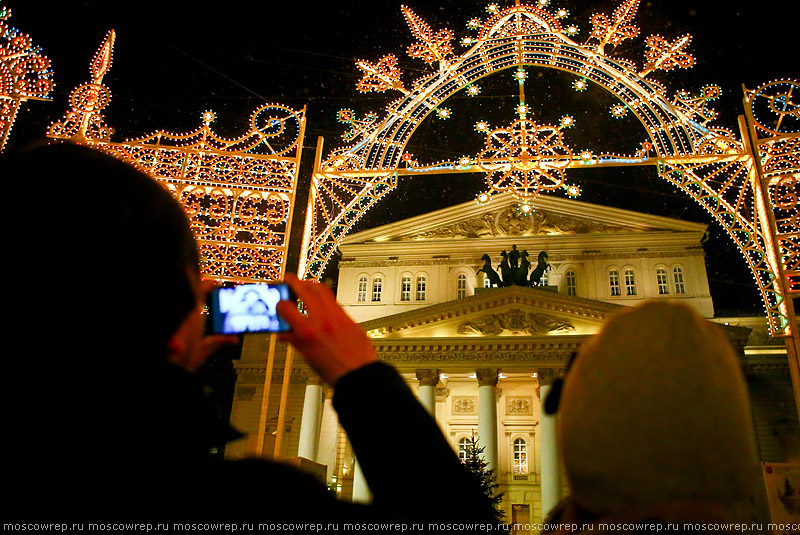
[(655, 422)]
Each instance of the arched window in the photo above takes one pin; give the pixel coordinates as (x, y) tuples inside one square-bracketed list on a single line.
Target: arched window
[(461, 286), (572, 283), (377, 288), (613, 282), (545, 280), (520, 456), (630, 282), (661, 278), (677, 277), (361, 297), (405, 288), (462, 449), (421, 288), (486, 282)]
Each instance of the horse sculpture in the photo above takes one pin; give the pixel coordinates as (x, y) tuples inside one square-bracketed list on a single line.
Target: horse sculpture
[(542, 266), (491, 274)]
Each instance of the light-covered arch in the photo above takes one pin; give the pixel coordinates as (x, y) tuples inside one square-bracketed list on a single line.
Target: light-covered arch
[(707, 163)]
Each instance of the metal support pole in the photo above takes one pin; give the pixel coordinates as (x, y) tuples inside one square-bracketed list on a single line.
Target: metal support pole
[(287, 374), (766, 216), (262, 421)]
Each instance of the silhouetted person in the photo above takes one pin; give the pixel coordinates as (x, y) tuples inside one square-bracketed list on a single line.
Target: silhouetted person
[(105, 419)]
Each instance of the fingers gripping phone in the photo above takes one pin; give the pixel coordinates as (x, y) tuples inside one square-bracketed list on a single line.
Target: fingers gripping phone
[(247, 308)]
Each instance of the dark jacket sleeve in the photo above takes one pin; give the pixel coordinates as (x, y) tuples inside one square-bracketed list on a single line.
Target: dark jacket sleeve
[(406, 460)]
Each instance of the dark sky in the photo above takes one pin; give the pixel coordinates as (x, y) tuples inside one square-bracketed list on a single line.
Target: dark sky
[(175, 59)]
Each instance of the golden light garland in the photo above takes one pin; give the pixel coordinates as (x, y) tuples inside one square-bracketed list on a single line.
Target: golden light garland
[(706, 162), (238, 192), (24, 73)]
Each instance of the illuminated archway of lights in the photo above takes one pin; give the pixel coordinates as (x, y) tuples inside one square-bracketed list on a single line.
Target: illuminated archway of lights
[(24, 73), (705, 161), (239, 193)]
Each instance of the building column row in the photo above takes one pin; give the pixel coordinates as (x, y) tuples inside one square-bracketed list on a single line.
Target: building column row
[(550, 476), (319, 425), (428, 379), (487, 415)]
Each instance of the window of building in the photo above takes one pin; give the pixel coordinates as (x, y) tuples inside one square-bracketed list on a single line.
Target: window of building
[(362, 289), (630, 282), (520, 456), (461, 286), (677, 277), (572, 283), (661, 277), (486, 282), (545, 280), (377, 288), (462, 449), (421, 288), (405, 288), (613, 281)]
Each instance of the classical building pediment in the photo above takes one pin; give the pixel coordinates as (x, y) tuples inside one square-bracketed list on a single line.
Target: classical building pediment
[(497, 313), (501, 219)]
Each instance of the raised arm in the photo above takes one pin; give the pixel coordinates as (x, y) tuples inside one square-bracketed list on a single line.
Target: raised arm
[(410, 467)]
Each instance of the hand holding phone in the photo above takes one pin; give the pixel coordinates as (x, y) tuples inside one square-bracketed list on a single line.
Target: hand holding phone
[(330, 341), (247, 308)]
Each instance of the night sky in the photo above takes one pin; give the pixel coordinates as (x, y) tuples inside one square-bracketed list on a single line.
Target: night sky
[(174, 60)]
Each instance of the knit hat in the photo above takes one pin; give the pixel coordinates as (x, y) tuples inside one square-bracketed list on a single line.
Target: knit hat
[(655, 410)]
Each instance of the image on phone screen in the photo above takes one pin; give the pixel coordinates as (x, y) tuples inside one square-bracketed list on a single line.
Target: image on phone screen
[(247, 308)]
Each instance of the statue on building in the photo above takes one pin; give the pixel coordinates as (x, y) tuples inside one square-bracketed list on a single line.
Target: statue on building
[(513, 257), (491, 274), (505, 270), (515, 276), (542, 265), (521, 272)]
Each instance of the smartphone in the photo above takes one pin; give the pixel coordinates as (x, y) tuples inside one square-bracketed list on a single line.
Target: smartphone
[(247, 308)]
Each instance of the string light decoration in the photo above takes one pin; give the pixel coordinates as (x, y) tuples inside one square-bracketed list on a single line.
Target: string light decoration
[(525, 159), (238, 193), (615, 29), (431, 46), (708, 163), (24, 73)]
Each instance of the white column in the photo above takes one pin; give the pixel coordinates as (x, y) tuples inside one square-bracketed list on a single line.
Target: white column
[(310, 424), (550, 471), (428, 379), (361, 492), (487, 415), (329, 434)]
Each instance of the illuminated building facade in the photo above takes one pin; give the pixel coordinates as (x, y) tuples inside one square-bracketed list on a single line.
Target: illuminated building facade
[(482, 359)]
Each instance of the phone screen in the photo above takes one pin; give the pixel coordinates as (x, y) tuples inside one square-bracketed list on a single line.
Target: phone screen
[(247, 308)]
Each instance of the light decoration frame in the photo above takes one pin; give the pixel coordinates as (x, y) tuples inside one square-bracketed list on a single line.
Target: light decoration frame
[(25, 73), (706, 162), (239, 193)]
